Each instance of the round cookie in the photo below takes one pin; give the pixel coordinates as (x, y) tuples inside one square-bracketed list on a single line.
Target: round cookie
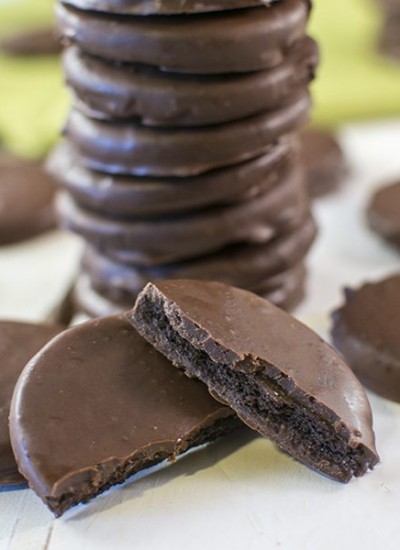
[(365, 331), (124, 196), (245, 40), (130, 148), (112, 91), (165, 240), (383, 213), (241, 265), (166, 7), (26, 199), (324, 161), (99, 404), (19, 342)]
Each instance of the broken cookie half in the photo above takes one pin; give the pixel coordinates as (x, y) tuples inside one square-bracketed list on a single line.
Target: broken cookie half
[(98, 404), (278, 375)]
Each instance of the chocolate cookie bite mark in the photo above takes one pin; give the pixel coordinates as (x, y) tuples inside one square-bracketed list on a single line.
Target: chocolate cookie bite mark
[(278, 375), (365, 331), (130, 148), (26, 199), (383, 213), (166, 7), (107, 90), (111, 405), (19, 342), (123, 196), (246, 40), (323, 159)]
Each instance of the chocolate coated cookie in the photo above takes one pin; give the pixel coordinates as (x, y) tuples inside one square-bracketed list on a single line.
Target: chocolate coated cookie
[(26, 199), (19, 342), (279, 376), (165, 240), (221, 42), (124, 196), (365, 331), (131, 148), (383, 213), (99, 404), (110, 91)]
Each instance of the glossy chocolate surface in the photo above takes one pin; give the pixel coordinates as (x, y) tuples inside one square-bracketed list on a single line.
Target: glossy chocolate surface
[(365, 331), (19, 342), (245, 40), (110, 91), (130, 148), (256, 357), (111, 405), (124, 196)]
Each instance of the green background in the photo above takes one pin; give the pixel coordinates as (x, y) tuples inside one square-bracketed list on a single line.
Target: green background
[(354, 82)]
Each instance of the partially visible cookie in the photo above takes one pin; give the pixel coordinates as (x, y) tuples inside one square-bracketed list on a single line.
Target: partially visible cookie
[(383, 213), (323, 159), (26, 199), (31, 42), (19, 342), (366, 331)]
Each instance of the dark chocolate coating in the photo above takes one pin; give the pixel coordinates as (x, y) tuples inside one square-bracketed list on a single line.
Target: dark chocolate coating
[(277, 374), (164, 240), (123, 196), (26, 199), (36, 41), (19, 342), (130, 148), (109, 91), (166, 7), (365, 331), (95, 303), (222, 42), (241, 265), (383, 213), (280, 284), (324, 161), (111, 406)]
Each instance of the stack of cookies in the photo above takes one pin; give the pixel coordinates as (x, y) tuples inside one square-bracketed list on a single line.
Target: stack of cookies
[(389, 40), (179, 158)]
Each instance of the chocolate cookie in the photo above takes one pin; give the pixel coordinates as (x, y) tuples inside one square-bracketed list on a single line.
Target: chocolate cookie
[(365, 331), (164, 240), (123, 196), (96, 303), (246, 40), (383, 213), (279, 376), (241, 265), (131, 148), (19, 342), (31, 42), (26, 199), (107, 91), (324, 161), (168, 7), (111, 406)]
